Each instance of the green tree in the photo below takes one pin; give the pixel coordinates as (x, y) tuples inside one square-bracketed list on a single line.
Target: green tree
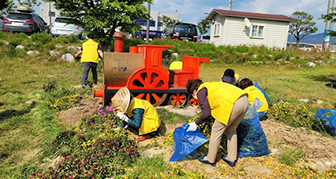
[(29, 3), (6, 6), (330, 17), (303, 25), (203, 26), (167, 21), (102, 17)]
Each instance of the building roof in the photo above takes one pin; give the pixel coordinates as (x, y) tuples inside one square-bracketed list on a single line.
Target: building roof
[(249, 15)]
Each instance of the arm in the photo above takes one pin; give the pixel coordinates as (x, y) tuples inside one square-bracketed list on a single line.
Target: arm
[(101, 54), (136, 120), (204, 104), (78, 53)]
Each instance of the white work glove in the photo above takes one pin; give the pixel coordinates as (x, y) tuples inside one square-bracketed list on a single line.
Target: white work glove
[(192, 127), (122, 116), (116, 129)]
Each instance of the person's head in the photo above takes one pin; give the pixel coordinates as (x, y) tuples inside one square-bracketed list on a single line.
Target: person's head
[(228, 76), (91, 36), (192, 85), (229, 72), (121, 100), (244, 83)]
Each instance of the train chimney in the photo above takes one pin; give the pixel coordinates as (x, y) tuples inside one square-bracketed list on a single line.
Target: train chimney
[(118, 41)]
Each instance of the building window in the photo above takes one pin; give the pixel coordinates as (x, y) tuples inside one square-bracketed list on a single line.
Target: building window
[(257, 31), (217, 29)]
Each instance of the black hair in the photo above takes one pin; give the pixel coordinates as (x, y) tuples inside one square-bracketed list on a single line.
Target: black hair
[(192, 85), (244, 83), (90, 36), (229, 72)]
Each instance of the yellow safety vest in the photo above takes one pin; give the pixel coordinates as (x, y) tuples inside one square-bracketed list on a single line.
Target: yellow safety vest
[(150, 119), (254, 93), (237, 78), (221, 97), (90, 51)]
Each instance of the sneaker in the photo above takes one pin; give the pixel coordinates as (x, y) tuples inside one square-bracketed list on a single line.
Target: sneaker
[(232, 164), (205, 160), (144, 137), (83, 86)]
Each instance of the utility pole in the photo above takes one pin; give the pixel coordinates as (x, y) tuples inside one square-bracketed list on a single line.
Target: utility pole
[(326, 38), (230, 5), (147, 31), (49, 13)]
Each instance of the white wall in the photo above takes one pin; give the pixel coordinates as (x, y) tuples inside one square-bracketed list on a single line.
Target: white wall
[(44, 12), (234, 32)]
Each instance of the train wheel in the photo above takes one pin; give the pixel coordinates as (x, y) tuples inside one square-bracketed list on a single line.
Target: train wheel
[(193, 101), (149, 79), (153, 98), (178, 99)]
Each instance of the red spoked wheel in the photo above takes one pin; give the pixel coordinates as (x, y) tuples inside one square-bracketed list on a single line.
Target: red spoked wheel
[(149, 79), (178, 99), (153, 98), (193, 101)]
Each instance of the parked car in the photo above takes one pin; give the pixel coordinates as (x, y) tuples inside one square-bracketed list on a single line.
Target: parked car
[(204, 39), (311, 47), (65, 26), (1, 23), (24, 20), (182, 31)]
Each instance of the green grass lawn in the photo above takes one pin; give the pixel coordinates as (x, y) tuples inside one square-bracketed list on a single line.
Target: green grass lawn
[(28, 124)]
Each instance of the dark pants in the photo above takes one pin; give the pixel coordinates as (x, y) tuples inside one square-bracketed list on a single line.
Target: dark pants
[(87, 66)]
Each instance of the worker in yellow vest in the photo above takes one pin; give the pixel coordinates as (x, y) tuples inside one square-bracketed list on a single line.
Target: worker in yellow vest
[(230, 77), (141, 114), (90, 51), (227, 104), (253, 93)]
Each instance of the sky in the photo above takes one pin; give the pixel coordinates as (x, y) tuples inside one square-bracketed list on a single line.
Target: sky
[(193, 11)]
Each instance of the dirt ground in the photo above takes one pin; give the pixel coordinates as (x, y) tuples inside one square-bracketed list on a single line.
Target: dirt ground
[(320, 150)]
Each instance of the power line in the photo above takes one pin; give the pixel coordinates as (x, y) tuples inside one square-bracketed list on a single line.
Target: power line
[(316, 6)]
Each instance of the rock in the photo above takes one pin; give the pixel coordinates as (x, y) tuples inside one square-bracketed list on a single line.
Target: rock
[(32, 52), (174, 55), (19, 47), (311, 64), (254, 56), (53, 53), (304, 100), (257, 62), (319, 101), (59, 46), (276, 63), (73, 48), (68, 57)]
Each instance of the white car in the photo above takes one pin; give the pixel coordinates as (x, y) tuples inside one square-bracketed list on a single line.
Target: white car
[(204, 39), (65, 26), (311, 47)]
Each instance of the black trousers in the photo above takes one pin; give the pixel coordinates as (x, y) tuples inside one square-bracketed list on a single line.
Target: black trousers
[(86, 68)]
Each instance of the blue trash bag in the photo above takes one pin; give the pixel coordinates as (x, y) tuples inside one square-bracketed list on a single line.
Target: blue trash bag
[(186, 142), (252, 140), (266, 96), (328, 122)]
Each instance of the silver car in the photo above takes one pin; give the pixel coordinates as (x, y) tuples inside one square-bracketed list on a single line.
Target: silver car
[(65, 26)]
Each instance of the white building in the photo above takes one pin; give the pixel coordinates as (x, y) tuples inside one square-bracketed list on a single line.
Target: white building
[(157, 17), (44, 12), (245, 28)]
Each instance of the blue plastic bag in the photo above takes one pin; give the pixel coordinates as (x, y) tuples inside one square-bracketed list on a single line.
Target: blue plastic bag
[(267, 98), (252, 140), (186, 142), (328, 122)]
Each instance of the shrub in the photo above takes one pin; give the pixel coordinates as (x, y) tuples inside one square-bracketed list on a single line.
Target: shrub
[(73, 39), (42, 38), (3, 35), (61, 39)]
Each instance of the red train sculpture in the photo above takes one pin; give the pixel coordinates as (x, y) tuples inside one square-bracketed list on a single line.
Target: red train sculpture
[(141, 71)]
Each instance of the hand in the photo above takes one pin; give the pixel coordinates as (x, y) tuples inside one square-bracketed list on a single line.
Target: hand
[(122, 116), (76, 56), (192, 127)]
